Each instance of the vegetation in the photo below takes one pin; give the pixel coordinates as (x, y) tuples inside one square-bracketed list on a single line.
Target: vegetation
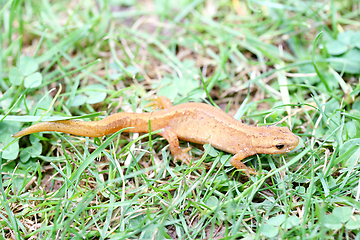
[(295, 63)]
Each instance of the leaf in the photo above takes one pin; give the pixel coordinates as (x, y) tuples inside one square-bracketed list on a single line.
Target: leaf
[(182, 85), (222, 216), (137, 222), (15, 76), (349, 62), (115, 76), (148, 232), (212, 151), (346, 37), (28, 65), (291, 222), (212, 201), (36, 149), (116, 67), (25, 155), (9, 167), (132, 69), (353, 223), (277, 221), (335, 47), (78, 100), (167, 88), (186, 85), (32, 151), (355, 39), (349, 152), (332, 221), (269, 231), (356, 105), (11, 152), (225, 158), (343, 213), (6, 130), (300, 190), (32, 81), (95, 94)]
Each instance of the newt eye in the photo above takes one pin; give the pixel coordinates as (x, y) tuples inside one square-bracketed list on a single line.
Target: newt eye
[(280, 146)]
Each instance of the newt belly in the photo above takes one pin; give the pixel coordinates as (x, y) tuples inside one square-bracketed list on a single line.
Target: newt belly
[(193, 122)]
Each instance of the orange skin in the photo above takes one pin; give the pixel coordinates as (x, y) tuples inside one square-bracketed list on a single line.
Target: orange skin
[(193, 122)]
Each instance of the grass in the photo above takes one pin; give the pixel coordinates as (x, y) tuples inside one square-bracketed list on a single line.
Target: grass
[(294, 62)]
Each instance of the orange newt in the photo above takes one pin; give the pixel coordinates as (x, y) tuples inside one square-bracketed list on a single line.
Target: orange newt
[(194, 122)]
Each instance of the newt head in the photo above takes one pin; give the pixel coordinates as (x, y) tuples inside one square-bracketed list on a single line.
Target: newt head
[(274, 140)]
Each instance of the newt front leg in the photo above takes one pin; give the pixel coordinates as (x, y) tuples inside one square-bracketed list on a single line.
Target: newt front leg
[(236, 161), (160, 102)]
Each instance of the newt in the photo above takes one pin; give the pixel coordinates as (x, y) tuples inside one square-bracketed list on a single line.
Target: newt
[(193, 122)]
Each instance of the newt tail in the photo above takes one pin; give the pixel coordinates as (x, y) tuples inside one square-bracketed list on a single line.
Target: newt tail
[(108, 125)]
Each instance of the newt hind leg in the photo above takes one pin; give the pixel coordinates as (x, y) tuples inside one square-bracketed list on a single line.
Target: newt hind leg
[(160, 102), (175, 149)]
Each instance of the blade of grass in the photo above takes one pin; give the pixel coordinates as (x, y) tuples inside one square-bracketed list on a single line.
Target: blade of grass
[(322, 79), (4, 202)]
